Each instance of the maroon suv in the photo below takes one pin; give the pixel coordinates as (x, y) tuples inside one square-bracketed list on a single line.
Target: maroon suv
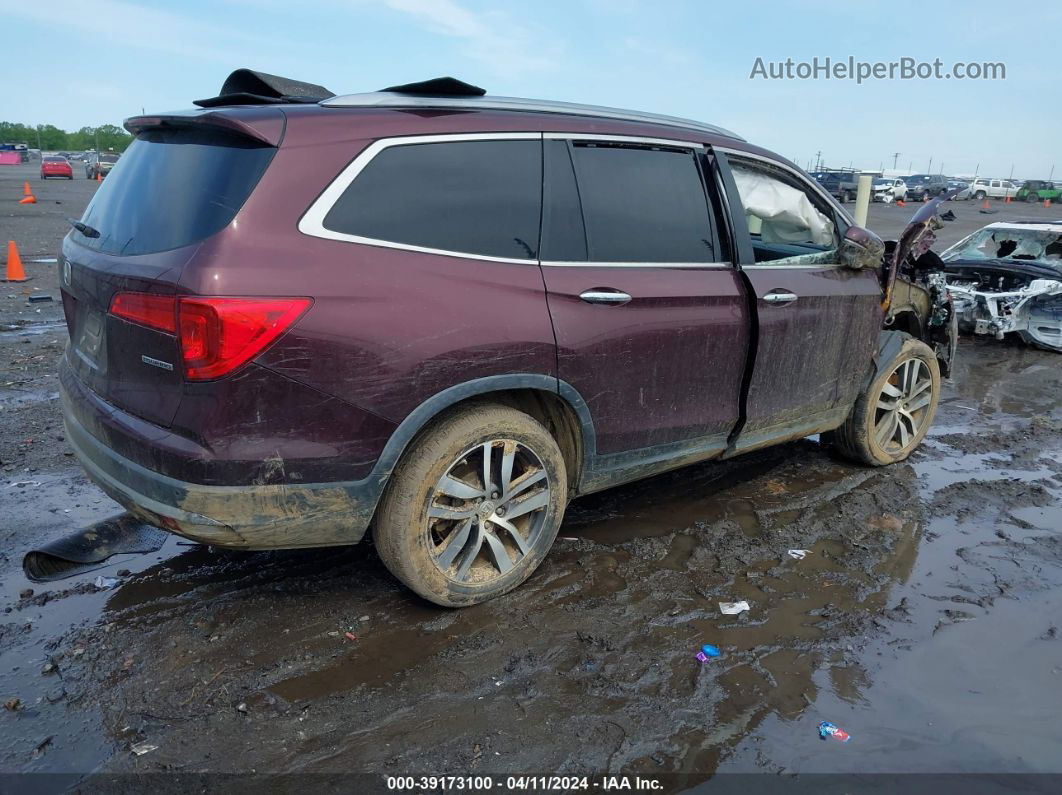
[(442, 315)]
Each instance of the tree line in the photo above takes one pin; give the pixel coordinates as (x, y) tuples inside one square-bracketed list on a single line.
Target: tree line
[(51, 139)]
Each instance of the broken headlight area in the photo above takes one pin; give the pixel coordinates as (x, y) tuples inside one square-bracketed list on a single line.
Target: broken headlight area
[(917, 299)]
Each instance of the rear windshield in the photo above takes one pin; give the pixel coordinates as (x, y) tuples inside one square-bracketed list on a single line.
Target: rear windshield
[(108, 158), (171, 189)]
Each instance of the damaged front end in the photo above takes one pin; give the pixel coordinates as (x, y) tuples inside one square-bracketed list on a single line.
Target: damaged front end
[(1007, 278), (917, 300)]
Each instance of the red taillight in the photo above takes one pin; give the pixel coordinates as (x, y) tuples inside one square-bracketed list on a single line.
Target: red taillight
[(219, 334), (154, 311), (216, 335)]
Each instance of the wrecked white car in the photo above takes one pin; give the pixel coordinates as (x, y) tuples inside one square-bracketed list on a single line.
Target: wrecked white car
[(1007, 278), (888, 190)]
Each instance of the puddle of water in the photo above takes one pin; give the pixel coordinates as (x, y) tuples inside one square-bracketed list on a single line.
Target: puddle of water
[(12, 398), (33, 329)]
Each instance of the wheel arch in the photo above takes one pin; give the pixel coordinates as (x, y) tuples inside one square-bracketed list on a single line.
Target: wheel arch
[(907, 321), (889, 343), (554, 403)]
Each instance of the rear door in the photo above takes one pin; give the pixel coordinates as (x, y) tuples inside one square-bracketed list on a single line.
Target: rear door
[(649, 314), (817, 320)]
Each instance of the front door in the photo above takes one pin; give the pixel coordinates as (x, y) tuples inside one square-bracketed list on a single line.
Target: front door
[(818, 321), (651, 321)]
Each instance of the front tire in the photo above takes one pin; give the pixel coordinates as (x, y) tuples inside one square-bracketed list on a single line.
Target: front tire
[(891, 418), (473, 507)]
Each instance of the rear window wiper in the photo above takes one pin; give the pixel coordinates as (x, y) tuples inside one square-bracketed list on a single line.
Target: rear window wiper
[(84, 229)]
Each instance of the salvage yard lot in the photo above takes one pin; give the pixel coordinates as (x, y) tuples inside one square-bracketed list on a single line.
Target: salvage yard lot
[(925, 581)]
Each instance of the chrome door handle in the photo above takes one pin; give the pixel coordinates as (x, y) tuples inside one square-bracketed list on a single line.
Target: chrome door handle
[(605, 297), (779, 297)]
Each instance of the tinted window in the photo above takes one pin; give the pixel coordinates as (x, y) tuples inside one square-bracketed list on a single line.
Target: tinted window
[(563, 236), (642, 204), (477, 197), (172, 189)]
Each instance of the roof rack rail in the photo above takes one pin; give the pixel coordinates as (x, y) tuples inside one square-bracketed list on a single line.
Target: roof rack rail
[(247, 87), (421, 97)]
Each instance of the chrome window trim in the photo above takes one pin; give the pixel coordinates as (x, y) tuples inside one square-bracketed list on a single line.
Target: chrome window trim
[(694, 146), (312, 221), (599, 264), (815, 186), (796, 266)]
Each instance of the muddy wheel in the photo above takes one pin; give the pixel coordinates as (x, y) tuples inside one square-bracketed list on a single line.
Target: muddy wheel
[(473, 507), (890, 419)]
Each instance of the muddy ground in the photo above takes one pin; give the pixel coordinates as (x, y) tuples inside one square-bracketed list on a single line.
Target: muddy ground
[(924, 621)]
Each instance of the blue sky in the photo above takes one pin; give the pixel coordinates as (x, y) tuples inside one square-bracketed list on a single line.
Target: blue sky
[(74, 63)]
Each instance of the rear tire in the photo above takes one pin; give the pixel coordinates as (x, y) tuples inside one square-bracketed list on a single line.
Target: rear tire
[(891, 418), (980, 195), (438, 498)]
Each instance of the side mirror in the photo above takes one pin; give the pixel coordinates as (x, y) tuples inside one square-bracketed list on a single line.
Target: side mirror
[(861, 248)]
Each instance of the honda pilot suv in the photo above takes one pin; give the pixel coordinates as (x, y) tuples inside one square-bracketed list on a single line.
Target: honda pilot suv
[(442, 315)]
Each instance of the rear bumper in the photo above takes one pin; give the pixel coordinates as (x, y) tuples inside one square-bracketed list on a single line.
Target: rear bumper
[(247, 517)]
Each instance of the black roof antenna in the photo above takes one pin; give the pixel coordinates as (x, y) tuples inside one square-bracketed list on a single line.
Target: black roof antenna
[(439, 87)]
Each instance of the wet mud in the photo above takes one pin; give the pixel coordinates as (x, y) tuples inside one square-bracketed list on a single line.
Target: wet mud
[(923, 620)]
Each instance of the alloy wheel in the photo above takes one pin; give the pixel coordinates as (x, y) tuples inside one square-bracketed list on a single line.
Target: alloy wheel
[(487, 511), (903, 405)]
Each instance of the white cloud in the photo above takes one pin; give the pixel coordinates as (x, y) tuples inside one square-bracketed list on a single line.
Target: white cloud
[(491, 37), (133, 25)]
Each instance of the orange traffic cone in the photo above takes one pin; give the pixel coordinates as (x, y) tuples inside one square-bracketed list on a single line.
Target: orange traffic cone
[(31, 199), (985, 206), (26, 189), (1047, 203), (15, 272), (99, 176), (901, 203), (1007, 200)]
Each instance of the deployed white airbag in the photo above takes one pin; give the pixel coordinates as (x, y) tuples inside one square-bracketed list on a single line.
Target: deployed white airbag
[(786, 214)]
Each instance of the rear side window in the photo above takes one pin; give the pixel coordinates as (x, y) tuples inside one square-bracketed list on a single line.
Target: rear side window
[(171, 189), (642, 204), (473, 197)]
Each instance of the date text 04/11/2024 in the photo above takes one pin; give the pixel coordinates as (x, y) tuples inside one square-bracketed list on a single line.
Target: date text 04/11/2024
[(521, 783)]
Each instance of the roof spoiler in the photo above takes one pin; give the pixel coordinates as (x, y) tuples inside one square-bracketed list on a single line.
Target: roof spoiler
[(247, 87), (265, 125)]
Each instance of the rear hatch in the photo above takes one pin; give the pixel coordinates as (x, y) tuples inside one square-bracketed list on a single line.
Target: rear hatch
[(181, 181)]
